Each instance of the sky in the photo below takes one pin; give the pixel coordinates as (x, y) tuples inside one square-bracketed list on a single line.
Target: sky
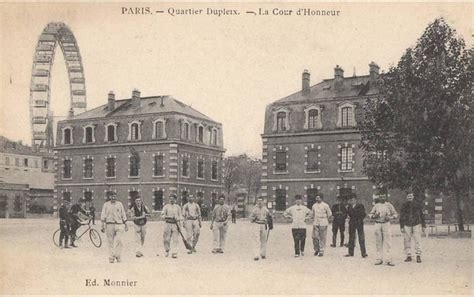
[(227, 67)]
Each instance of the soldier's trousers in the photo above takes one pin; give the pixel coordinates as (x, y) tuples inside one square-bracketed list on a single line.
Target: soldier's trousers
[(319, 238), (259, 234), (359, 228), (64, 233), (415, 233), (383, 241), (114, 233), (171, 238), (299, 237), (219, 231), (192, 231), (338, 226), (140, 233)]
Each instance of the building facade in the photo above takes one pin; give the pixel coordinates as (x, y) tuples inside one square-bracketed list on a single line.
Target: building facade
[(152, 146), (311, 142)]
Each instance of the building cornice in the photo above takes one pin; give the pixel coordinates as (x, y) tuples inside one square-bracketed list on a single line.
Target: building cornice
[(312, 179), (135, 183), (310, 133)]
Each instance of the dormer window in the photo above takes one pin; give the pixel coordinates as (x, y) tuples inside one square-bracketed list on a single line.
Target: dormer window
[(214, 140), (67, 135), (200, 134), (89, 134), (281, 120), (312, 117), (134, 132), (159, 129), (111, 132), (346, 115), (185, 126)]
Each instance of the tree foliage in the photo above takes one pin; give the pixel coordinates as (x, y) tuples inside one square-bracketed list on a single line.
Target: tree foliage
[(242, 171), (417, 132)]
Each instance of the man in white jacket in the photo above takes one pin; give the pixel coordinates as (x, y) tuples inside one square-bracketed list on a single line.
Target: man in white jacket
[(321, 214)]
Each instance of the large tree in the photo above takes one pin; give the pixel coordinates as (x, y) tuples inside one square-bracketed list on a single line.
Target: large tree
[(417, 132), (242, 171)]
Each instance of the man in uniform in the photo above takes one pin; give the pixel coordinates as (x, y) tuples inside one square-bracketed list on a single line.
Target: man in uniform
[(92, 213), (192, 222), (220, 216), (321, 215), (77, 215), (114, 222), (64, 224), (339, 211), (382, 213), (356, 213), (412, 225), (138, 212), (234, 215), (298, 213), (171, 213), (259, 229)]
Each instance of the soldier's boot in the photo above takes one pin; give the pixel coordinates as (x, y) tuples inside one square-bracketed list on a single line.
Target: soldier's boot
[(333, 240), (418, 259), (408, 259), (342, 240)]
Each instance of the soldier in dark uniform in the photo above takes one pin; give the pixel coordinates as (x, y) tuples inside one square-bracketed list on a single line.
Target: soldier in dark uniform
[(76, 213), (64, 224), (356, 212), (92, 213), (339, 212)]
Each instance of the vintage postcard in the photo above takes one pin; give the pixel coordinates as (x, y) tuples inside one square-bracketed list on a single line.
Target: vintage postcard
[(236, 148)]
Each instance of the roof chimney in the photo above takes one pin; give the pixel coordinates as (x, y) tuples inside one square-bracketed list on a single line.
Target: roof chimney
[(71, 113), (373, 71), (338, 78), (111, 101), (305, 82), (136, 98)]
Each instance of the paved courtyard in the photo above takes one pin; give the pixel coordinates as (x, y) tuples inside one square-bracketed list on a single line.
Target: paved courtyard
[(31, 264)]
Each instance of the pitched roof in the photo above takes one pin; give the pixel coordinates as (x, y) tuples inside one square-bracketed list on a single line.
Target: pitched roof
[(148, 105), (34, 179), (352, 87), (13, 147)]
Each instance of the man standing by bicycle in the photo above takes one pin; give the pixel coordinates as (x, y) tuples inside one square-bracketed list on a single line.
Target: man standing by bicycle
[(64, 223), (138, 212), (114, 221), (77, 215)]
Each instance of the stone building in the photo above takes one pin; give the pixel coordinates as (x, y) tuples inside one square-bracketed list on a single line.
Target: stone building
[(152, 146), (26, 180), (311, 141)]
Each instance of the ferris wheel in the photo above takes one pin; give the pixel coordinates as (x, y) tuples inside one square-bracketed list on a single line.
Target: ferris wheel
[(40, 113)]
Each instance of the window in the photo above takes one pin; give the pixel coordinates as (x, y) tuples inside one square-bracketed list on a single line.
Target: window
[(159, 129), (214, 137), (311, 197), (185, 166), (111, 132), (158, 200), (185, 131), (25, 162), (213, 200), (67, 168), (110, 167), (280, 161), (133, 195), (345, 193), (89, 134), (200, 169), (200, 134), (281, 121), (346, 114), (45, 164), (134, 133), (280, 199), (134, 165), (214, 170), (7, 160), (88, 168), (88, 196), (67, 136), (346, 158), (312, 161), (313, 118), (158, 165), (67, 196), (200, 197), (184, 197)]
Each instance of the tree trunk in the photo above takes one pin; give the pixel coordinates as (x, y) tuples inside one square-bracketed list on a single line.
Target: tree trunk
[(459, 210)]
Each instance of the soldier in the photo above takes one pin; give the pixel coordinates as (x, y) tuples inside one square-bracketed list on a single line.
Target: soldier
[(356, 213), (339, 211), (77, 215), (192, 223), (114, 222), (382, 213), (92, 213), (138, 212), (220, 216), (171, 213), (234, 215), (298, 213), (64, 224), (412, 224), (259, 218), (321, 215)]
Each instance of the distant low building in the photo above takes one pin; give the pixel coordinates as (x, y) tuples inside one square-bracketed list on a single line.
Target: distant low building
[(147, 146), (26, 180)]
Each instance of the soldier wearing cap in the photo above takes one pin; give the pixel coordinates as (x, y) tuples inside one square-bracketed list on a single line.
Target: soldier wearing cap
[(192, 222), (172, 216), (382, 213), (64, 223), (114, 222), (220, 217), (412, 225), (339, 211), (138, 212)]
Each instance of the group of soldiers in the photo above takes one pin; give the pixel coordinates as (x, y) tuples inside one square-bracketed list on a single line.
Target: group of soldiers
[(71, 217), (189, 218)]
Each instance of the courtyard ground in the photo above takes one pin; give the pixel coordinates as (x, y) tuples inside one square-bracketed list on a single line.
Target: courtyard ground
[(31, 264)]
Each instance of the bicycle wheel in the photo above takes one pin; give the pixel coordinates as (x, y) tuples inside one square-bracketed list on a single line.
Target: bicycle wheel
[(95, 238), (56, 237)]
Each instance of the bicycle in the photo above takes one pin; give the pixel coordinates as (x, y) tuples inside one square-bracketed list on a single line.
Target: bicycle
[(93, 235)]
